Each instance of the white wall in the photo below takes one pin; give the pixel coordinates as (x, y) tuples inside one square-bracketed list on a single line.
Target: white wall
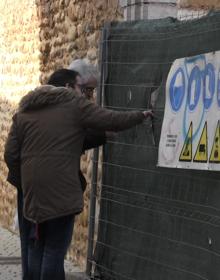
[(187, 14), (152, 9)]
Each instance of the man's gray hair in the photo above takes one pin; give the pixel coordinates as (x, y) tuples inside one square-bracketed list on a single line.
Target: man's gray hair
[(85, 69)]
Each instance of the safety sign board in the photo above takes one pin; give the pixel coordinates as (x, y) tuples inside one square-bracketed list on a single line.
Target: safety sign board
[(190, 136)]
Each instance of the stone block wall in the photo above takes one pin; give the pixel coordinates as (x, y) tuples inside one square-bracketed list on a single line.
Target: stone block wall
[(36, 38), (70, 29), (19, 72), (200, 4)]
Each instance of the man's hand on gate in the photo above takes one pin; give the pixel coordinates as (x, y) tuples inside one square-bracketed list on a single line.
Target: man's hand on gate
[(148, 114)]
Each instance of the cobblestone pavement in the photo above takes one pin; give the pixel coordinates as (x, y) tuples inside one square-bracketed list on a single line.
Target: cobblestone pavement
[(10, 260)]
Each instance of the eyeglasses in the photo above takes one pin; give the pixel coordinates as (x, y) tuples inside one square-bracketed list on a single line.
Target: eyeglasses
[(88, 90)]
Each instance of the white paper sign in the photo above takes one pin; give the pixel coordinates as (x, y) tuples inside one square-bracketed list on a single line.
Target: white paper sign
[(190, 136)]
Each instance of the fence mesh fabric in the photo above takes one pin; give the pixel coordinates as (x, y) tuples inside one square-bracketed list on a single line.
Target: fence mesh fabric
[(154, 223)]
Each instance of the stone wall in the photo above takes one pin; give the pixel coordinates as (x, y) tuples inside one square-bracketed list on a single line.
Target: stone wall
[(19, 72), (36, 38), (200, 4), (70, 29)]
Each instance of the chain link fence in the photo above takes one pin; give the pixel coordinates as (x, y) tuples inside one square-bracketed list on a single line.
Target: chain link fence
[(154, 223)]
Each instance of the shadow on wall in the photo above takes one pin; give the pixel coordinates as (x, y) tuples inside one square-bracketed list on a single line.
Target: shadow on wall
[(60, 40), (70, 30), (63, 34)]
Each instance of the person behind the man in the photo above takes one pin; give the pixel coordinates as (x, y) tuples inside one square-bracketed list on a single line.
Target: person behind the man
[(89, 81), (43, 154), (89, 75)]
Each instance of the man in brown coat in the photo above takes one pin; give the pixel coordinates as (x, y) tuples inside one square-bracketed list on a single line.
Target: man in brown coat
[(93, 138), (44, 146)]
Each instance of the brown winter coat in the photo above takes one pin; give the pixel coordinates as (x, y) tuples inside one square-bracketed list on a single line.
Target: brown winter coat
[(45, 144)]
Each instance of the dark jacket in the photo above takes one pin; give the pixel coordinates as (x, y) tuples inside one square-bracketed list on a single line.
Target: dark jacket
[(45, 144), (93, 139)]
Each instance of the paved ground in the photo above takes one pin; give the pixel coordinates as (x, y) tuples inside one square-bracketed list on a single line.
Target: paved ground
[(10, 261)]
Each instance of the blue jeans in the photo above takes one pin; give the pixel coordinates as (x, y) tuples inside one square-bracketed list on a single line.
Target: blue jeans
[(43, 258), (24, 229), (46, 255)]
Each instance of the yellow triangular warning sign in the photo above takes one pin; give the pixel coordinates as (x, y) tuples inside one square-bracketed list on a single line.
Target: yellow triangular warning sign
[(186, 153), (201, 154), (215, 153)]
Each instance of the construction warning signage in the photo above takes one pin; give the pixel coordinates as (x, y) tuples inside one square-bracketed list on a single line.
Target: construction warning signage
[(190, 136), (201, 154), (215, 152), (186, 154)]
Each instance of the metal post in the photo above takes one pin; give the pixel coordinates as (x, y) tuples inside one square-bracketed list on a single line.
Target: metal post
[(95, 160)]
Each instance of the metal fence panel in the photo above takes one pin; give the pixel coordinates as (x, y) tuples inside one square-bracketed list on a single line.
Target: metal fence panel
[(155, 223)]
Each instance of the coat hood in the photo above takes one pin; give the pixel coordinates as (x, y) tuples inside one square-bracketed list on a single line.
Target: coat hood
[(45, 95)]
